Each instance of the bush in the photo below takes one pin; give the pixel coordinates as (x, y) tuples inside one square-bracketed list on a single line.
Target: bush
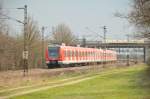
[(148, 61)]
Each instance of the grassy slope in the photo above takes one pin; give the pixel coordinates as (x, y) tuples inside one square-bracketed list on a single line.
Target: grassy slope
[(129, 83)]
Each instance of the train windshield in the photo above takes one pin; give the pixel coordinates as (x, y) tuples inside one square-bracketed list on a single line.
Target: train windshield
[(53, 52)]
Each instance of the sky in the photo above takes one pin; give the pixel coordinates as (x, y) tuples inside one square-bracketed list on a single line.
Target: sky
[(77, 14)]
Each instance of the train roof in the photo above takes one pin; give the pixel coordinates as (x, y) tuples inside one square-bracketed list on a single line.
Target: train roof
[(78, 47)]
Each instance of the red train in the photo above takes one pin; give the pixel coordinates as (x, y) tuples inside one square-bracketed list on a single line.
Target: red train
[(63, 55)]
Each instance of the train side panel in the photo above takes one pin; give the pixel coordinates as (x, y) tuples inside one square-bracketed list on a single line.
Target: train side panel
[(75, 55)]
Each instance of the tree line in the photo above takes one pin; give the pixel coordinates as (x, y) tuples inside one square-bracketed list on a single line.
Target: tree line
[(11, 47), (139, 16)]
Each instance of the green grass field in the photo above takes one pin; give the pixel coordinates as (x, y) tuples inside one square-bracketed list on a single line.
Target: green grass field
[(125, 83)]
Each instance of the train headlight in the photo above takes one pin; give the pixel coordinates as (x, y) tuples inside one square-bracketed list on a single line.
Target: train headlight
[(47, 62)]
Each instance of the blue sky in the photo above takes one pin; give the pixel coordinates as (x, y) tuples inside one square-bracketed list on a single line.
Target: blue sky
[(77, 14)]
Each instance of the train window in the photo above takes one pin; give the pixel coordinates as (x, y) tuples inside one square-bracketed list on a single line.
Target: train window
[(72, 53), (110, 54), (80, 53), (96, 54), (93, 54), (68, 53), (86, 54), (83, 53), (53, 52), (76, 53), (65, 53)]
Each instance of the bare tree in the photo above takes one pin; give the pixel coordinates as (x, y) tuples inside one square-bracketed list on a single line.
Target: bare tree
[(3, 25), (62, 34), (6, 43), (140, 17), (11, 48), (33, 42), (33, 32), (33, 45)]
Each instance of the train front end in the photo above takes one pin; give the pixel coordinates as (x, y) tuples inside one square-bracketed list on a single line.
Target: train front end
[(52, 56)]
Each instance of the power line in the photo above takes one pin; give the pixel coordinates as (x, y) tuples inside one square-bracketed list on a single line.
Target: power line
[(8, 8), (11, 18), (94, 32), (104, 41)]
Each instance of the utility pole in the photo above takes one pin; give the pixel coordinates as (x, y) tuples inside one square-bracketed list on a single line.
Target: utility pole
[(104, 41), (43, 29), (25, 48), (84, 42), (128, 52), (105, 30)]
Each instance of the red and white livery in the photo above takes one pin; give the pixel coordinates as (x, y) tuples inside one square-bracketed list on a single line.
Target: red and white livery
[(63, 55)]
